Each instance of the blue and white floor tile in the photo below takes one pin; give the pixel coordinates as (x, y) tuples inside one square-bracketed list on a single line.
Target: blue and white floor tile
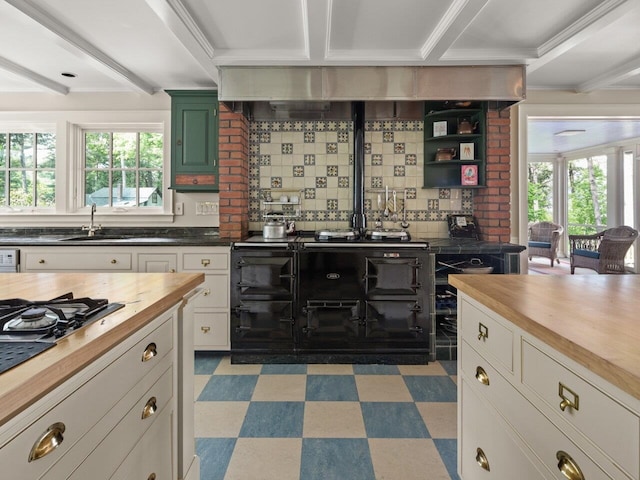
[(323, 422)]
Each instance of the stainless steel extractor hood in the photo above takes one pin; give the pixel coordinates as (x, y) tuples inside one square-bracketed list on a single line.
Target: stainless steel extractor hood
[(504, 84)]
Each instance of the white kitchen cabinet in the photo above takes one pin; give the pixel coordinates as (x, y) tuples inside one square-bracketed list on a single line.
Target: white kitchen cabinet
[(211, 312), (86, 427), (76, 259), (157, 262), (533, 411)]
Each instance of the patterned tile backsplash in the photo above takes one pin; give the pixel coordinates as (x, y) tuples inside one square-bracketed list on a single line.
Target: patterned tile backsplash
[(313, 160)]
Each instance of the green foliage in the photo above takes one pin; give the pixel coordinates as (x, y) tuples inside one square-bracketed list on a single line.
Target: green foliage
[(586, 213), (540, 191)]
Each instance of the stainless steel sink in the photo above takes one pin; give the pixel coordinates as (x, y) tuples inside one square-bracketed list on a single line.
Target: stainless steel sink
[(117, 238)]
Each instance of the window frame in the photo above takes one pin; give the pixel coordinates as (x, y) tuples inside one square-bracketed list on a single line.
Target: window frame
[(67, 127)]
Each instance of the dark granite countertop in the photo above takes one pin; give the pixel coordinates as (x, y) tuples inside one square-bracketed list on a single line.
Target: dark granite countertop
[(112, 236), (470, 245)]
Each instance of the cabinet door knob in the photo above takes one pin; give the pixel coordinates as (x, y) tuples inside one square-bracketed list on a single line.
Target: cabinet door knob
[(149, 408), (568, 467), (569, 397), (481, 375), (48, 441), (483, 331), (482, 460), (149, 352), (179, 142), (194, 181)]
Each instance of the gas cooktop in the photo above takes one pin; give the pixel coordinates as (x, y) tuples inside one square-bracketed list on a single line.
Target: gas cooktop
[(29, 327)]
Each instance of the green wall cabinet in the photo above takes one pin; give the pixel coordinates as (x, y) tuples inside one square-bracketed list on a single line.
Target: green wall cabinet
[(194, 140), (447, 135)]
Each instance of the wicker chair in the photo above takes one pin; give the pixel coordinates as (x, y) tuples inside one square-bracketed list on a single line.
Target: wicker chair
[(543, 240), (603, 252)]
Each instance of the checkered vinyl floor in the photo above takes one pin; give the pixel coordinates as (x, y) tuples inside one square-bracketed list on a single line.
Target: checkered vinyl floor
[(323, 422)]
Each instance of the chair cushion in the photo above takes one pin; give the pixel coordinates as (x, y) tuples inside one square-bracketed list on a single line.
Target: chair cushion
[(586, 253), (540, 244)]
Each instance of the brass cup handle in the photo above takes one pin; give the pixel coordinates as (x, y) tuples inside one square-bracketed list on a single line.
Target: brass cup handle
[(114, 261), (48, 441), (172, 270), (568, 467), (41, 260), (150, 408), (481, 375), (149, 352), (482, 460), (152, 477)]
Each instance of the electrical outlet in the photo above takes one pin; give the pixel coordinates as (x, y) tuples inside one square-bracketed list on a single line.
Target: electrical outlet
[(179, 208), (206, 208)]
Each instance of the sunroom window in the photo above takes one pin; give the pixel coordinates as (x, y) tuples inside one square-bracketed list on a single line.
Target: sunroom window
[(27, 169), (123, 169)]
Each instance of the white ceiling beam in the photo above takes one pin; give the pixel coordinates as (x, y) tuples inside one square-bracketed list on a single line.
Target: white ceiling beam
[(180, 21), (627, 70), (23, 72), (579, 31), (58, 28), (455, 20), (317, 25)]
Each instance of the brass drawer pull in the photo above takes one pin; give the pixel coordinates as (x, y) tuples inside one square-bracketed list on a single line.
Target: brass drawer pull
[(206, 292), (172, 270), (568, 467), (152, 477), (48, 442), (41, 260), (483, 331), (481, 375), (205, 329), (113, 260), (205, 262), (482, 460), (573, 402), (150, 408), (149, 352)]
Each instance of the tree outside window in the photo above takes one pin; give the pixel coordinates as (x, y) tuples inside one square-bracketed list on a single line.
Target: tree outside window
[(587, 195), (540, 191), (123, 169), (27, 169)]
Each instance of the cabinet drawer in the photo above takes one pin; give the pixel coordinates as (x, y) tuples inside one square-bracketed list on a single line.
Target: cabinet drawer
[(483, 430), (211, 329), (152, 453), (215, 292), (203, 262), (492, 339), (61, 260), (597, 416), (124, 437), (86, 406)]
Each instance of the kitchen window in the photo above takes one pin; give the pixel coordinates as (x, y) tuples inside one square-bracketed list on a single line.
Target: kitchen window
[(27, 169), (123, 169)]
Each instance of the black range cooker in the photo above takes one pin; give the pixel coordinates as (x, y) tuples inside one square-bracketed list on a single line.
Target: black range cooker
[(29, 327), (336, 296)]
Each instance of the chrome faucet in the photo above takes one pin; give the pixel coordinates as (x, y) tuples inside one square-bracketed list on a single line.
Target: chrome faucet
[(92, 229)]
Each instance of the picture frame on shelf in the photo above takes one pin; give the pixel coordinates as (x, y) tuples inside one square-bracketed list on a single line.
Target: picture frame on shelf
[(467, 151), (468, 175), (439, 129)]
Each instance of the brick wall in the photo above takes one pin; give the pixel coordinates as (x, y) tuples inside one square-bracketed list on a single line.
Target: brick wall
[(234, 174), (491, 205)]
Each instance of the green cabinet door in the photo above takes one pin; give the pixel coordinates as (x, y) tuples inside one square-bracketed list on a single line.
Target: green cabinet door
[(194, 140)]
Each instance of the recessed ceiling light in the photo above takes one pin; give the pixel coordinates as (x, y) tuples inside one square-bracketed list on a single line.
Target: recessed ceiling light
[(569, 133), (68, 74)]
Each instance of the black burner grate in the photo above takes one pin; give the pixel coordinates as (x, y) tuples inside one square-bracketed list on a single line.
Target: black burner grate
[(14, 353)]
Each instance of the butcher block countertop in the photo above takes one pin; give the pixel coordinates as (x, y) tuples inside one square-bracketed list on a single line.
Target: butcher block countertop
[(145, 295), (592, 319)]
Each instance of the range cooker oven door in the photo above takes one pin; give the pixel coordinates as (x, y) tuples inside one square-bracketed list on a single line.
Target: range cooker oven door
[(262, 298), (395, 321), (393, 274), (263, 325), (330, 294)]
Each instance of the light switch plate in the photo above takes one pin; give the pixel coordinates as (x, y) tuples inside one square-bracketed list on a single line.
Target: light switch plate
[(179, 208), (206, 208)]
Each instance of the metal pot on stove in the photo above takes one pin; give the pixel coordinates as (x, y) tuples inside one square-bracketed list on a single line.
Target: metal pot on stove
[(274, 229)]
